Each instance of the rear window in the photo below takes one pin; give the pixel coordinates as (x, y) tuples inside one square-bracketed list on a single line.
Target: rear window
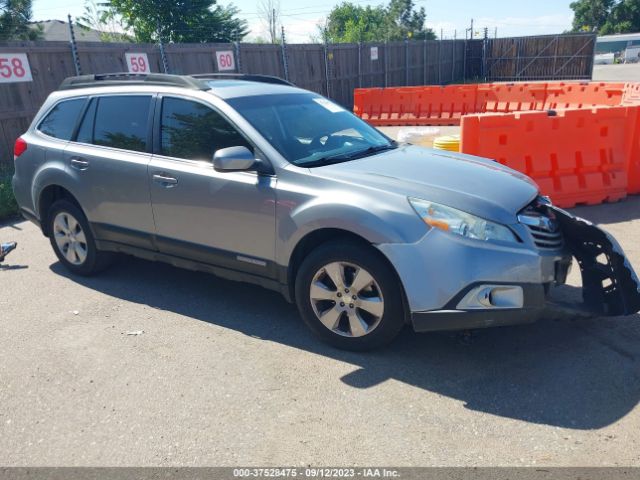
[(118, 122), (61, 120)]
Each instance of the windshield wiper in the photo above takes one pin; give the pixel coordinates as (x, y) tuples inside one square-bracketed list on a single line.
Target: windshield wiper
[(345, 157)]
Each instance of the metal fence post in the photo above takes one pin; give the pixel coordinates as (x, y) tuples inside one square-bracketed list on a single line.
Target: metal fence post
[(74, 48), (359, 64), (440, 61), (453, 59), (326, 68), (238, 58), (424, 62), (163, 55), (464, 62), (386, 75), (406, 61), (285, 63)]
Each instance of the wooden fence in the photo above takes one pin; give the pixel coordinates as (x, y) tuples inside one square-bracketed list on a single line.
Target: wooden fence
[(331, 70), (548, 57)]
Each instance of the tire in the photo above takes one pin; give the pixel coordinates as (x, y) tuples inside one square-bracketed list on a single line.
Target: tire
[(72, 240), (370, 317)]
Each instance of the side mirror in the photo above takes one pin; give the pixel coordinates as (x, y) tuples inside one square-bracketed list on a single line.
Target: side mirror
[(233, 159)]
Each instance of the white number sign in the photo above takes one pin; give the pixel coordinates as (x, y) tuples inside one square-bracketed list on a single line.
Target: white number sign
[(14, 67), (374, 53), (137, 62), (226, 61)]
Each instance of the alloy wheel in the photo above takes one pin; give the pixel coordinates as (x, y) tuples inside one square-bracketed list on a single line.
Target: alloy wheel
[(346, 299), (70, 238)]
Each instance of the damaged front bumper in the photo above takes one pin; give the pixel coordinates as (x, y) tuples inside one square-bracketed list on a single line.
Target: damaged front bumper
[(610, 287)]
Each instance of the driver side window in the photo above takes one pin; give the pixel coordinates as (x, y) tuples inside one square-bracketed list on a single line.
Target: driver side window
[(193, 131)]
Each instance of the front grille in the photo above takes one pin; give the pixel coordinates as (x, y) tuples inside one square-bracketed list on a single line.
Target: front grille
[(546, 240), (542, 225)]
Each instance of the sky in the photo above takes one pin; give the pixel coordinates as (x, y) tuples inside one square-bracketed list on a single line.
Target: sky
[(452, 17)]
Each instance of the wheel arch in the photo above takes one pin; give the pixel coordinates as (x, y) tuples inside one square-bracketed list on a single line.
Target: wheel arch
[(315, 239), (47, 197)]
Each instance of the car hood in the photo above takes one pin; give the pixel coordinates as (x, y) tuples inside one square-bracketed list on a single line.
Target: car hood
[(472, 184)]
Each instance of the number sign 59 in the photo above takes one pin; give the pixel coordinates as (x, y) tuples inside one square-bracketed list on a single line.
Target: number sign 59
[(137, 62), (14, 67), (225, 60)]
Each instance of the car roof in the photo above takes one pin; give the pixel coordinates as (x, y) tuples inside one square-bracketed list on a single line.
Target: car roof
[(227, 89)]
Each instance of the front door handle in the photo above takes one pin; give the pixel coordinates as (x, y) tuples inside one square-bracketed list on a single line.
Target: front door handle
[(79, 163), (165, 181)]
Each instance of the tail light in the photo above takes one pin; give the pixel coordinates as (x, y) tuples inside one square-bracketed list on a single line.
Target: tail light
[(19, 148)]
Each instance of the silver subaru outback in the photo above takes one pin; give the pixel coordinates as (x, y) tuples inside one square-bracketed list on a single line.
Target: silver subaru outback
[(253, 179)]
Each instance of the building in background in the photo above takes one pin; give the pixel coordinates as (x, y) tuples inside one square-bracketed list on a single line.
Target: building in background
[(58, 31), (623, 47)]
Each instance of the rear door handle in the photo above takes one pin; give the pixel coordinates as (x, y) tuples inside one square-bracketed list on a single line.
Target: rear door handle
[(165, 181), (79, 163)]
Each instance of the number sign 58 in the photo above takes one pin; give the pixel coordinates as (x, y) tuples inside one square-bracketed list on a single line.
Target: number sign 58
[(137, 62), (14, 67)]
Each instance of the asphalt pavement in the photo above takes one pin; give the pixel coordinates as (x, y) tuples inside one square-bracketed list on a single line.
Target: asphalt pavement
[(147, 364)]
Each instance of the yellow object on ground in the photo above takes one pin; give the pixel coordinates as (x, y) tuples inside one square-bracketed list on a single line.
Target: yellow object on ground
[(450, 143)]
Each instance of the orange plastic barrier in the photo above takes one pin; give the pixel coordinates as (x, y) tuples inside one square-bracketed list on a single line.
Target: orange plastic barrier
[(415, 105), (562, 95), (510, 97), (633, 150), (578, 156), (445, 105), (631, 95), (587, 112)]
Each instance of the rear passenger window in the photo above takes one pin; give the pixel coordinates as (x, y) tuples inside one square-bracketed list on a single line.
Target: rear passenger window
[(120, 122), (61, 120), (193, 131)]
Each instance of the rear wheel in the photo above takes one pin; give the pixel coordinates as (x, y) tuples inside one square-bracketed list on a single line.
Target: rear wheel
[(349, 296), (72, 240)]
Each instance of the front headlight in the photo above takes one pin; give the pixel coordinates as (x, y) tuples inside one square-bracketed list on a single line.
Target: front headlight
[(461, 223)]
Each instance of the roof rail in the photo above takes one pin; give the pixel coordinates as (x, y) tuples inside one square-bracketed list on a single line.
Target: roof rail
[(124, 78), (250, 77)]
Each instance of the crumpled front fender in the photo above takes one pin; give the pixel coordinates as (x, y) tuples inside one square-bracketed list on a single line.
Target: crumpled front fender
[(610, 286)]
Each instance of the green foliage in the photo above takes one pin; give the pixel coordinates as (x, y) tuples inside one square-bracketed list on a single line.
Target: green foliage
[(606, 16), (185, 21), (8, 205), (15, 16), (350, 23)]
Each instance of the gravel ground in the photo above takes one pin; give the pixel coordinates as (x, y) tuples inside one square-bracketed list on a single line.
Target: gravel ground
[(227, 374)]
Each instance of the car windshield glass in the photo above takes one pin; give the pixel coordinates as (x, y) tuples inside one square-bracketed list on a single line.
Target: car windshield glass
[(309, 130)]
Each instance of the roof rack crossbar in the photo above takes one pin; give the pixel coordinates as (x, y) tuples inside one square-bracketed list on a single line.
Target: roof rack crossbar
[(124, 78), (193, 82), (251, 77)]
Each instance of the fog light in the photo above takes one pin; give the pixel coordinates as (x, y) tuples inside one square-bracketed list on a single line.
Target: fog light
[(493, 297)]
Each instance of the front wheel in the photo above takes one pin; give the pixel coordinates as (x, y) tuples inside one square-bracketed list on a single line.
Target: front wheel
[(349, 296)]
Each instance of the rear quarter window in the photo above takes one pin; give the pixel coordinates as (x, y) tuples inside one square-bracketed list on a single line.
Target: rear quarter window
[(61, 120)]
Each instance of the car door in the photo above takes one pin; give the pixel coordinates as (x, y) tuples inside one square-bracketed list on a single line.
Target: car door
[(109, 157), (220, 218)]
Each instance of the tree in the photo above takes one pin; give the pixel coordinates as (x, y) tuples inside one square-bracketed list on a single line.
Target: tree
[(606, 16), (15, 18), (624, 18), (404, 22), (349, 23), (187, 21), (102, 18), (269, 11)]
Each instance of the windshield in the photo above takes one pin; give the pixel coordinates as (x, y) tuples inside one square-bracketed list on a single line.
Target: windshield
[(309, 130)]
